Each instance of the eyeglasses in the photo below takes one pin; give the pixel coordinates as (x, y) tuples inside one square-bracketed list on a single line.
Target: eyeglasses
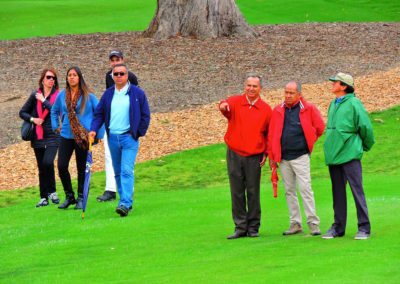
[(48, 77), (119, 74)]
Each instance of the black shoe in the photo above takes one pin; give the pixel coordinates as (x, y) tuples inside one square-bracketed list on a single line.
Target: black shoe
[(107, 196), (79, 203), (253, 234), (67, 203), (123, 211), (237, 235)]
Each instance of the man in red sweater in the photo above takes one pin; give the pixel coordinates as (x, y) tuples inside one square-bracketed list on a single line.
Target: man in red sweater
[(295, 127), (248, 121)]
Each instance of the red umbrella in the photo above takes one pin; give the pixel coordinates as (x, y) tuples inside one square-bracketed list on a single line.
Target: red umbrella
[(274, 179)]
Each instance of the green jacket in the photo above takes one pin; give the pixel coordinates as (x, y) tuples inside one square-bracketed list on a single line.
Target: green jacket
[(348, 131)]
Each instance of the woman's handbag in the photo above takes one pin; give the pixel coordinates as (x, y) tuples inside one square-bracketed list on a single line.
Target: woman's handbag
[(27, 129)]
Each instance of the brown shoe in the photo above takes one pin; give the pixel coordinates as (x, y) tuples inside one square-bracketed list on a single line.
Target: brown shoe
[(314, 230), (295, 228)]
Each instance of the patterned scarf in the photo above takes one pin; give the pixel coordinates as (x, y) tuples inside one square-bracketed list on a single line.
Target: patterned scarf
[(80, 133)]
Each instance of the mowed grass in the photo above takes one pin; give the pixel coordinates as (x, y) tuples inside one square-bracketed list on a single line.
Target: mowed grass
[(300, 11), (33, 18), (181, 217)]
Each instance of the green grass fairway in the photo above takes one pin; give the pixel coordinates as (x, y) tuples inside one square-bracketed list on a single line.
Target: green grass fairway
[(177, 231), (32, 18), (300, 11)]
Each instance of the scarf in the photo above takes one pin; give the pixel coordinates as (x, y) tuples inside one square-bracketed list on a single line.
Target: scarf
[(80, 133), (43, 113)]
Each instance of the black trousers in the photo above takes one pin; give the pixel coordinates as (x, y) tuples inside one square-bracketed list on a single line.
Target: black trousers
[(45, 163), (244, 178), (350, 172), (66, 148)]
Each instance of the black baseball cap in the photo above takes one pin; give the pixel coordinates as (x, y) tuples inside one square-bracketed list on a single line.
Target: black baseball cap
[(116, 53)]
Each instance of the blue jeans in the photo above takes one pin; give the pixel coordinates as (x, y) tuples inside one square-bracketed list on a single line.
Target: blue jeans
[(124, 149)]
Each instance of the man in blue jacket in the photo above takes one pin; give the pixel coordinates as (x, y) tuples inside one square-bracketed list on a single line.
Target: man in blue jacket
[(116, 57), (125, 112)]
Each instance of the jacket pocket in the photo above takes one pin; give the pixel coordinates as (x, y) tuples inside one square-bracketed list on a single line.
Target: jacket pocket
[(334, 143)]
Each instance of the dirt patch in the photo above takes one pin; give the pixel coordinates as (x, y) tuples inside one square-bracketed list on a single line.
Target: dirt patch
[(180, 73)]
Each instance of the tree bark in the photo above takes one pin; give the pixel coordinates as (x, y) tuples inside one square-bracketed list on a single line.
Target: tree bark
[(198, 18)]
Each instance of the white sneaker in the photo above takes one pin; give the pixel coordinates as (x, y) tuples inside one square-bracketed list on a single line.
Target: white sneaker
[(362, 236), (42, 202), (54, 198)]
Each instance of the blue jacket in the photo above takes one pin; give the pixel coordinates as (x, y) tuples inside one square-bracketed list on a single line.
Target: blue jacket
[(59, 110), (139, 111)]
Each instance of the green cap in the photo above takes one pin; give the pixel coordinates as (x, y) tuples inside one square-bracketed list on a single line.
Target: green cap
[(344, 78)]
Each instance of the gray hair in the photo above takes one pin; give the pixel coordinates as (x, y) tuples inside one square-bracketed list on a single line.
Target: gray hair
[(255, 75), (121, 65), (298, 85)]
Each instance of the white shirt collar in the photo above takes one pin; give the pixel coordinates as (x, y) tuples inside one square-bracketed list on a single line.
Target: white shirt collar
[(251, 103)]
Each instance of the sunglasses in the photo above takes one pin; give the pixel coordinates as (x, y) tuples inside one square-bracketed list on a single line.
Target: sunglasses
[(48, 77), (119, 74)]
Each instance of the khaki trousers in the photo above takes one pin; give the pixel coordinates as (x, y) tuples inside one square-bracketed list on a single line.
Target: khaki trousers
[(297, 172)]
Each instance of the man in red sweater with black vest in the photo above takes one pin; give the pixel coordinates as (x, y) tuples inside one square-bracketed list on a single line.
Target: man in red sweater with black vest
[(295, 127), (248, 121)]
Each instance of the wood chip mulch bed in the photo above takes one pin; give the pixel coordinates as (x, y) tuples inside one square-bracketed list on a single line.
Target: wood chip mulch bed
[(182, 73), (185, 129)]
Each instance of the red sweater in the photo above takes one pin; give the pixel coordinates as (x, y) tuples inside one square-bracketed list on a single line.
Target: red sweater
[(310, 120), (247, 125)]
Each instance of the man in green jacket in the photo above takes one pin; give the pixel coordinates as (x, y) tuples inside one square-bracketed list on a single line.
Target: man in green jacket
[(348, 135)]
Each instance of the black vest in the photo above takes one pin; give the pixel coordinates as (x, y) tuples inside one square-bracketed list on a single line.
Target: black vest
[(293, 142)]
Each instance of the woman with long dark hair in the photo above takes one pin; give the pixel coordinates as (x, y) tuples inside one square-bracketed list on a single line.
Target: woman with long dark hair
[(74, 107), (45, 142)]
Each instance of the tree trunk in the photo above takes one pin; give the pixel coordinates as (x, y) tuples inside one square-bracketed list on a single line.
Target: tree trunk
[(199, 19)]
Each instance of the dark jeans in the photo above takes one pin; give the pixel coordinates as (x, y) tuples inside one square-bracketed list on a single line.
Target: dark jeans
[(66, 148), (341, 174), (244, 178), (45, 162)]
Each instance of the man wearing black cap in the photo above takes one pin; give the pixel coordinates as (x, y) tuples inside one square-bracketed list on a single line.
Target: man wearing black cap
[(116, 57)]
